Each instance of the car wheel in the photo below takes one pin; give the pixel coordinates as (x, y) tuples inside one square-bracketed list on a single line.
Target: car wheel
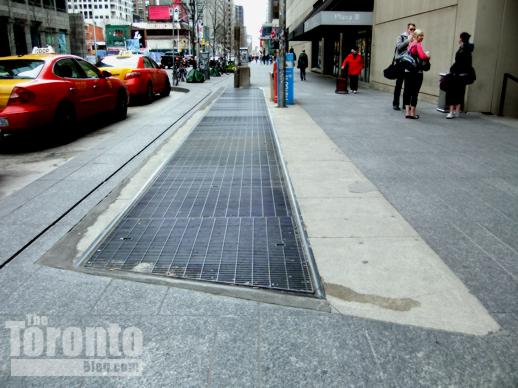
[(149, 93), (121, 107), (64, 119), (167, 89)]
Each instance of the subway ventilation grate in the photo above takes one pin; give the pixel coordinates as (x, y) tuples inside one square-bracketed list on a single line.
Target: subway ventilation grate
[(218, 211)]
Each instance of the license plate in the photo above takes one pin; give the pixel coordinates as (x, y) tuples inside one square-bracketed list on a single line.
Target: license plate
[(4, 122)]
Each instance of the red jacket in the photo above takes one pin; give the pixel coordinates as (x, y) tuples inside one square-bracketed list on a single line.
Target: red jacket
[(355, 63)]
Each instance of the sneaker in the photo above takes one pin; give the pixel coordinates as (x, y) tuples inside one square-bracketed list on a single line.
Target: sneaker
[(355, 91), (450, 115)]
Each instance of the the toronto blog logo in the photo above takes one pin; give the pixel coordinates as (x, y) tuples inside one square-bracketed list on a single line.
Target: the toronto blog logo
[(38, 349)]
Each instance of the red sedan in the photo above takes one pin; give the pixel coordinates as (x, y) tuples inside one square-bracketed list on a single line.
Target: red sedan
[(41, 89), (143, 76)]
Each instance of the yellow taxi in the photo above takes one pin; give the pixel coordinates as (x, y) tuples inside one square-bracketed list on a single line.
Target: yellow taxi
[(142, 75), (45, 88)]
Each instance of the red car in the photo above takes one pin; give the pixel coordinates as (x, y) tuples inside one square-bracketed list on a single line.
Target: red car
[(41, 89), (143, 76)]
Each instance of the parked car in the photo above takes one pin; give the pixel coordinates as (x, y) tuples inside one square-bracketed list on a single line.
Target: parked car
[(47, 88), (142, 75)]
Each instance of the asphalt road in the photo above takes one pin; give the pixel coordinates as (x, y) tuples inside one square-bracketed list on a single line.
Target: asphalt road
[(26, 157)]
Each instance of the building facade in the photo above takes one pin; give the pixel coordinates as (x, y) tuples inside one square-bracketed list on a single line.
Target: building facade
[(327, 30), (25, 24), (492, 25), (239, 18), (269, 39), (103, 12)]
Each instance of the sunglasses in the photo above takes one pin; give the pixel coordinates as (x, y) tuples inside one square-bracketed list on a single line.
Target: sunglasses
[(412, 29)]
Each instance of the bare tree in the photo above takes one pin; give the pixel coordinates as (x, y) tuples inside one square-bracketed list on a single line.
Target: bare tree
[(194, 10), (214, 10)]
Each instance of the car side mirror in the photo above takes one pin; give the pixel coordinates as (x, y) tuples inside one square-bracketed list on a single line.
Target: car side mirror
[(106, 74)]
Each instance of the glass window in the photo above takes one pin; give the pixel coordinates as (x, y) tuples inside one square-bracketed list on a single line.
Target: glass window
[(147, 63), (20, 69), (155, 65), (67, 68), (90, 70), (115, 61)]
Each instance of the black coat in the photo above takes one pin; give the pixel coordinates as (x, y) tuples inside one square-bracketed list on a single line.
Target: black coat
[(463, 61), (302, 63)]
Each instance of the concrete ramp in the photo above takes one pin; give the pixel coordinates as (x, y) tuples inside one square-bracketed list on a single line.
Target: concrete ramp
[(373, 263)]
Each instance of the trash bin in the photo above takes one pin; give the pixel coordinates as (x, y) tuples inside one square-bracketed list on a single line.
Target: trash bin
[(441, 103)]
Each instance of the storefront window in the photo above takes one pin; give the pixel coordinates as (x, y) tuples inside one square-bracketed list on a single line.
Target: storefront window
[(336, 58), (320, 54)]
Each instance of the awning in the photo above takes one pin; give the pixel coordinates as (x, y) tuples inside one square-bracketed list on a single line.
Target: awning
[(338, 18)]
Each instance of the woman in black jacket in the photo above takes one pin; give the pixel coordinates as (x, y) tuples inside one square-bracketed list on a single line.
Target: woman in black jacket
[(461, 73)]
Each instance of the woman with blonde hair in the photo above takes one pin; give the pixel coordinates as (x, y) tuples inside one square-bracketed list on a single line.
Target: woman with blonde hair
[(414, 75)]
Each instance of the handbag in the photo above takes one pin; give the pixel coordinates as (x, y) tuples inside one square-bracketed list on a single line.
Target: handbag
[(471, 76), (407, 61), (425, 65), (392, 71), (445, 82)]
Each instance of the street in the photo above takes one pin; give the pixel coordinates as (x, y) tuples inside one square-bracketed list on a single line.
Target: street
[(28, 156)]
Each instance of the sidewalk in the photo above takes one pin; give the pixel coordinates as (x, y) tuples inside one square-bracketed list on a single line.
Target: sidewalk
[(451, 185), (451, 188)]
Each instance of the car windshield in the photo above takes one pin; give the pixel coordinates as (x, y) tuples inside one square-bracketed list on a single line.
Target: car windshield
[(20, 68), (115, 61)]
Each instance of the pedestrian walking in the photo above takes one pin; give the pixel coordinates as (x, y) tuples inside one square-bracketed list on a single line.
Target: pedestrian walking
[(294, 55), (302, 64), (414, 76), (462, 74), (354, 64), (402, 42)]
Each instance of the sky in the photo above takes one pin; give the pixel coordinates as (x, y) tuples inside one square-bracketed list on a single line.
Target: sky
[(255, 16)]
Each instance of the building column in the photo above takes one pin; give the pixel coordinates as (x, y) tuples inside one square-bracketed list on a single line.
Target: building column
[(28, 37), (10, 36)]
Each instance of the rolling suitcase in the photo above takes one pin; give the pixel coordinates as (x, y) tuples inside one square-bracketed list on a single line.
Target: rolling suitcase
[(341, 85)]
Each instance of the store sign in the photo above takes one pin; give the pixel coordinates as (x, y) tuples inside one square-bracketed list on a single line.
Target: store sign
[(159, 12), (116, 36), (338, 18)]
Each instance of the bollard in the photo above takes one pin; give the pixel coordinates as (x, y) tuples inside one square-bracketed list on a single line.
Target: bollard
[(236, 77)]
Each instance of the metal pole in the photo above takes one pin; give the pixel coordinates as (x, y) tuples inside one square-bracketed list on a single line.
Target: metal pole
[(95, 40), (194, 26), (173, 19), (282, 52)]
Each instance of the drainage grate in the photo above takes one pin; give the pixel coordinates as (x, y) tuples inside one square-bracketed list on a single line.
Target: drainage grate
[(218, 211)]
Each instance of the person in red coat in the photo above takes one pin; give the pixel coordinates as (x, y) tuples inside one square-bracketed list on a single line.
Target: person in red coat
[(354, 64)]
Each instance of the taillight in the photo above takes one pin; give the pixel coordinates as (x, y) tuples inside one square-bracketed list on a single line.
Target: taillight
[(132, 74), (21, 95)]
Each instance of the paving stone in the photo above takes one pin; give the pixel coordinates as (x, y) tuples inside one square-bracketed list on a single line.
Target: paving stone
[(294, 354), (127, 297), (234, 353), (52, 291), (184, 302), (414, 357)]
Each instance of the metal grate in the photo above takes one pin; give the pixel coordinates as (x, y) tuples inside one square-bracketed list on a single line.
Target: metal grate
[(218, 211)]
